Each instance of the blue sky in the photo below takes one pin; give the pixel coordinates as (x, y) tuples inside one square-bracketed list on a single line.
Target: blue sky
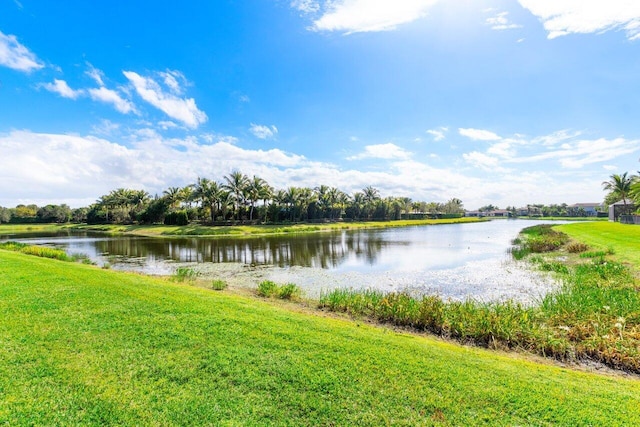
[(505, 102)]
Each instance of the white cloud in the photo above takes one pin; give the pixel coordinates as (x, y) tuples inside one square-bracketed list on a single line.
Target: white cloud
[(481, 160), (183, 110), (62, 88), (478, 134), (577, 154), (306, 6), (109, 96), (174, 80), (438, 134), (382, 151), (610, 167), (95, 74), (353, 16), (167, 124), (501, 22), (262, 131), (72, 169), (580, 16), (16, 56)]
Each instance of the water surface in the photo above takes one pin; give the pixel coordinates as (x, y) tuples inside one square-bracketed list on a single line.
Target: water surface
[(453, 260)]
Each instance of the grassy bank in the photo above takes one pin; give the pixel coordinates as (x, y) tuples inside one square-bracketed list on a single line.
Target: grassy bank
[(621, 239), (235, 230), (86, 346), (594, 315)]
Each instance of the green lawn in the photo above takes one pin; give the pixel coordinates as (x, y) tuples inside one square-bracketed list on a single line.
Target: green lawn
[(84, 346), (624, 239)]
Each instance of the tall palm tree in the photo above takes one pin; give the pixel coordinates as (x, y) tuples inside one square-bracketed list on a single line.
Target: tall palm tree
[(209, 194), (620, 185), (257, 189), (173, 196), (236, 183)]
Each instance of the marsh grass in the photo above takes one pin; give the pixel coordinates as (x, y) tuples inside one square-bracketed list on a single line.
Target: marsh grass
[(218, 285), (183, 274), (595, 314), (41, 251), (270, 289)]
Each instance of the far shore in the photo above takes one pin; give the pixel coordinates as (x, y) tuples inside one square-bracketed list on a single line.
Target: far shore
[(203, 230)]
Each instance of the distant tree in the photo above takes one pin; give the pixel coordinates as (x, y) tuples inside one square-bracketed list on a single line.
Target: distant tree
[(236, 183), (488, 208), (5, 215)]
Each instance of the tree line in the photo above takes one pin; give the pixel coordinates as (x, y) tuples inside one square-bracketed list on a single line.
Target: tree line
[(240, 198)]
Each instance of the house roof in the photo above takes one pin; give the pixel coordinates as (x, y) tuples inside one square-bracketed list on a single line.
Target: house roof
[(585, 205), (621, 202)]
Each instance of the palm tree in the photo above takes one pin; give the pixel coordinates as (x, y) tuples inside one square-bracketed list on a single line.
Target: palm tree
[(291, 199), (236, 183), (209, 194), (620, 185), (173, 196), (370, 196), (635, 189), (256, 189)]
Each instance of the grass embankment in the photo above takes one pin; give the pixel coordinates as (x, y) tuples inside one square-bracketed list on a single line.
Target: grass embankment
[(622, 239), (594, 315), (257, 230), (84, 346)]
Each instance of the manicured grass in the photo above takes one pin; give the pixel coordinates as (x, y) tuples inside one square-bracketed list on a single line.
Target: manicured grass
[(84, 346), (621, 239), (253, 230)]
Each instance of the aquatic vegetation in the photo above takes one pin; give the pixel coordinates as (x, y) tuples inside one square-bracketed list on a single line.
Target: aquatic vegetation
[(218, 285), (41, 251), (269, 289), (595, 314), (183, 274)]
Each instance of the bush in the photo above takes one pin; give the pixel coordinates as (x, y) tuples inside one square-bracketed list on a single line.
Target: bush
[(218, 285), (184, 273), (177, 218), (270, 289), (267, 288), (576, 247)]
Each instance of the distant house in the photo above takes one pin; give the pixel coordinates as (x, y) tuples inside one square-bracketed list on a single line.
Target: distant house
[(620, 208), (522, 211), (476, 214), (500, 213), (588, 209)]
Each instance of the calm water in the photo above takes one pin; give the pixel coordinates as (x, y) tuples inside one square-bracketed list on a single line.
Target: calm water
[(456, 261)]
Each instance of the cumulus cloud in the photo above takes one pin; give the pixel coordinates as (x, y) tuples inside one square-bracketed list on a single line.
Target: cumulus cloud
[(501, 22), (72, 169), (382, 151), (184, 110), (564, 147), (16, 56), (478, 134), (62, 88), (353, 16), (560, 18), (112, 97), (262, 131)]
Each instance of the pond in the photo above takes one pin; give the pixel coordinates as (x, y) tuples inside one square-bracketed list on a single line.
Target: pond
[(456, 261)]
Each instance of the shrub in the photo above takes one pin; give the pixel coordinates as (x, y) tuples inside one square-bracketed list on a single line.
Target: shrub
[(270, 289), (577, 247), (267, 288), (184, 273), (288, 291), (218, 285)]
